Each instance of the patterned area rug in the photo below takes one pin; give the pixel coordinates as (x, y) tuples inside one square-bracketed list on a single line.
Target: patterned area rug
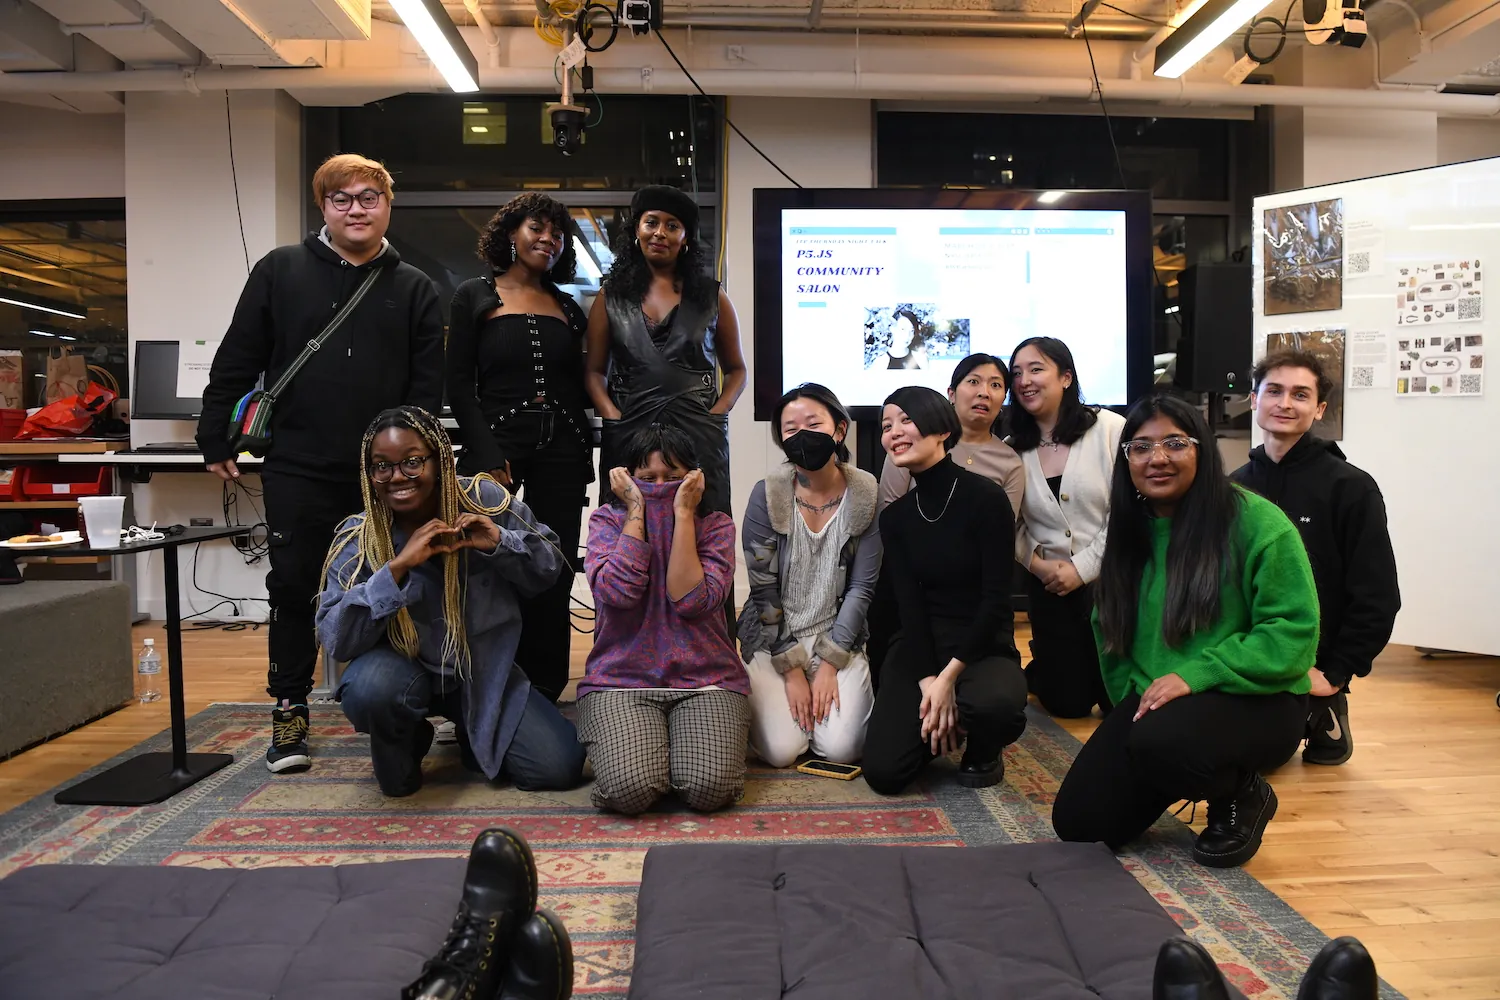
[(590, 863)]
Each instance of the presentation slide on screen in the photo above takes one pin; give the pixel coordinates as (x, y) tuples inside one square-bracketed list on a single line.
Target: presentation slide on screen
[(874, 299)]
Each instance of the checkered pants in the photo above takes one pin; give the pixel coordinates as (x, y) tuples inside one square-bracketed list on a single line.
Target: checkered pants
[(645, 743)]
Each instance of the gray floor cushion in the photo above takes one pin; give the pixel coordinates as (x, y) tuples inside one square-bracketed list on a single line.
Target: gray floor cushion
[(829, 922), (352, 932)]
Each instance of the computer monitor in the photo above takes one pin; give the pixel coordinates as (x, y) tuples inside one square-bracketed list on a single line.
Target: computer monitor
[(155, 396)]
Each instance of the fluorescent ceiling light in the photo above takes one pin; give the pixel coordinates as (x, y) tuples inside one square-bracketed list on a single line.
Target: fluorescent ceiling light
[(475, 109), (43, 305), (479, 128), (41, 333), (1051, 197), (1201, 34), (439, 38)]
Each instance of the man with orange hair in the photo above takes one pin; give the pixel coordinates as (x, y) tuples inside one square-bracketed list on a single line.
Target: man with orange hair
[(387, 351)]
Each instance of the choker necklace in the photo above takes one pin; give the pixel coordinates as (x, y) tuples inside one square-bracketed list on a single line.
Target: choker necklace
[(819, 508), (1050, 443), (935, 520)]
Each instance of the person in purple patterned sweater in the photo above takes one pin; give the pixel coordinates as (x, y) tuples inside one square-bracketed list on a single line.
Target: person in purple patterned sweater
[(664, 701)]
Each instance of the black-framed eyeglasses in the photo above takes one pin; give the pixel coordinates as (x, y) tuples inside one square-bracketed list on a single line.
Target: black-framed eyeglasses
[(368, 198), (1140, 450), (411, 468)]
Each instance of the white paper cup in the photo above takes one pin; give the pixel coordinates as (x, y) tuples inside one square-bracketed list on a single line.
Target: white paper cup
[(102, 520)]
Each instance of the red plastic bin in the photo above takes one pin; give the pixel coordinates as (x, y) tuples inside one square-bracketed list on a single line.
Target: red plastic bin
[(10, 423), (59, 482)]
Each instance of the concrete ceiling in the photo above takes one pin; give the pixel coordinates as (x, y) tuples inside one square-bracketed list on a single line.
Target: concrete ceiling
[(1416, 43)]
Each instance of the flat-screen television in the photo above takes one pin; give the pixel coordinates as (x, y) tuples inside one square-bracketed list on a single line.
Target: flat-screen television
[(868, 290)]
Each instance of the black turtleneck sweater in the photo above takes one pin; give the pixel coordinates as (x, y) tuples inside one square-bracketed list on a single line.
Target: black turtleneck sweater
[(949, 548)]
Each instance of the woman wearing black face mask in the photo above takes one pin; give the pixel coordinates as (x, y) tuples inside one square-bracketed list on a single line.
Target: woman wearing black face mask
[(812, 550)]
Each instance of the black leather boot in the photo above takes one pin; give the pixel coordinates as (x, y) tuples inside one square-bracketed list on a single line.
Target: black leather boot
[(1343, 970), (1184, 971), (541, 962), (499, 898), (1235, 825)]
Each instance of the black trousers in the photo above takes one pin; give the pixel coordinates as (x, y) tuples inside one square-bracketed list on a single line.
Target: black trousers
[(550, 482), (302, 514), (1064, 668), (991, 696), (1200, 747)]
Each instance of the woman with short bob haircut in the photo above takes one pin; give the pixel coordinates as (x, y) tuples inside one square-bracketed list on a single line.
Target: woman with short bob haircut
[(954, 671), (812, 550), (1206, 625), (1068, 450)]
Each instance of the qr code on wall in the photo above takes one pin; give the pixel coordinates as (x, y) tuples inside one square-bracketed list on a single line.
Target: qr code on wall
[(1471, 385), (1470, 308), (1362, 377), (1359, 263)]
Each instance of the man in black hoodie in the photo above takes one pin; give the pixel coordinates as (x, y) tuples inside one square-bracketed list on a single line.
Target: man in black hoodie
[(387, 352), (1341, 515)]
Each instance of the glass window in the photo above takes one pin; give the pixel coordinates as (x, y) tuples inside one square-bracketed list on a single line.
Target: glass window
[(1174, 158), (430, 143), (62, 286)]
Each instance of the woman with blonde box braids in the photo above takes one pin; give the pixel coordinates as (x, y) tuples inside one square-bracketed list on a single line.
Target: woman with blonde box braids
[(422, 599)]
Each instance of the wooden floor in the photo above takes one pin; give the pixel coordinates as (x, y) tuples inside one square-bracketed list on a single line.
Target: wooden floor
[(1399, 847)]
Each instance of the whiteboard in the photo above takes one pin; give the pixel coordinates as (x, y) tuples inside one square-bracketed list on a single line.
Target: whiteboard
[(1435, 455)]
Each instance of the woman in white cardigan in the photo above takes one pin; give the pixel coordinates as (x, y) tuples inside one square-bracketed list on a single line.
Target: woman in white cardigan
[(1068, 450)]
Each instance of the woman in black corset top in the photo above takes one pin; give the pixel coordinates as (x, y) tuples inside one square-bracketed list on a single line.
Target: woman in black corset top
[(953, 672), (659, 338), (515, 383)]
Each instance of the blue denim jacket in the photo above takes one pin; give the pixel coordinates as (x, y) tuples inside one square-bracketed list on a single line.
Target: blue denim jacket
[(352, 620)]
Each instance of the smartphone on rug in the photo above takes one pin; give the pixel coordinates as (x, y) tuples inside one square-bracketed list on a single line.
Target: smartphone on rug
[(828, 769)]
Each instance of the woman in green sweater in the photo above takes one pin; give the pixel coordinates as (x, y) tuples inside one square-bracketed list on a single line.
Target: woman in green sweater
[(1206, 621)]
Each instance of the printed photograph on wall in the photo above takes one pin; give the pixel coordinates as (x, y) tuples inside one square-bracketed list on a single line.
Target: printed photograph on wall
[(911, 335), (1328, 346), (1451, 291), (1449, 364), (1304, 257)]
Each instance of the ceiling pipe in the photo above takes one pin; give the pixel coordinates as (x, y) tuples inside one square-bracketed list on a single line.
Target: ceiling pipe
[(146, 23), (487, 30), (958, 23), (763, 83)]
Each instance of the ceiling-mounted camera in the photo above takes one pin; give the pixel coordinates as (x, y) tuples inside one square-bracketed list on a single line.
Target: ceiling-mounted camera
[(640, 16), (1329, 21), (567, 126)]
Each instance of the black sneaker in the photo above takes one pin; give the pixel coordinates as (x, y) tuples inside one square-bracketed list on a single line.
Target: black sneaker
[(1184, 971), (1235, 825), (1329, 740), (499, 897), (288, 751)]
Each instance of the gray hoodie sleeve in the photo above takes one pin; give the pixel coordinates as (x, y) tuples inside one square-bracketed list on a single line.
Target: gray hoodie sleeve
[(763, 627)]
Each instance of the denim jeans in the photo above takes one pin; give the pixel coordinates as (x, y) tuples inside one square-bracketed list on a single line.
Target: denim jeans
[(388, 696)]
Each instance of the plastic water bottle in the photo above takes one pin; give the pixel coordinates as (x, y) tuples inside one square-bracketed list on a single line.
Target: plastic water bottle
[(148, 669)]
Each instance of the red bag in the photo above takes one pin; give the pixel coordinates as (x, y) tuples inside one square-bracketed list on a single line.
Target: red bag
[(72, 416)]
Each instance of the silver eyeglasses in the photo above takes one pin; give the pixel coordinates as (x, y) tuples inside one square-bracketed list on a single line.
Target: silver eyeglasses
[(1140, 450)]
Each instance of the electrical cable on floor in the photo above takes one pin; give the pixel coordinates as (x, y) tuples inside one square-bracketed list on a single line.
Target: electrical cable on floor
[(725, 114)]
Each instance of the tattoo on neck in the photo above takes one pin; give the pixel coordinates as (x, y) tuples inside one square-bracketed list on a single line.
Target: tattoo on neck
[(802, 479)]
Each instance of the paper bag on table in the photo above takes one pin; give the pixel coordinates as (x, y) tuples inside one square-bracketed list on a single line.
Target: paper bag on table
[(12, 392), (67, 375)]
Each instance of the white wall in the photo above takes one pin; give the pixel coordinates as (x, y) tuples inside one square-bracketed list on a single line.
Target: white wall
[(1341, 145), (1460, 139), (187, 267), (821, 143), (57, 154)]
